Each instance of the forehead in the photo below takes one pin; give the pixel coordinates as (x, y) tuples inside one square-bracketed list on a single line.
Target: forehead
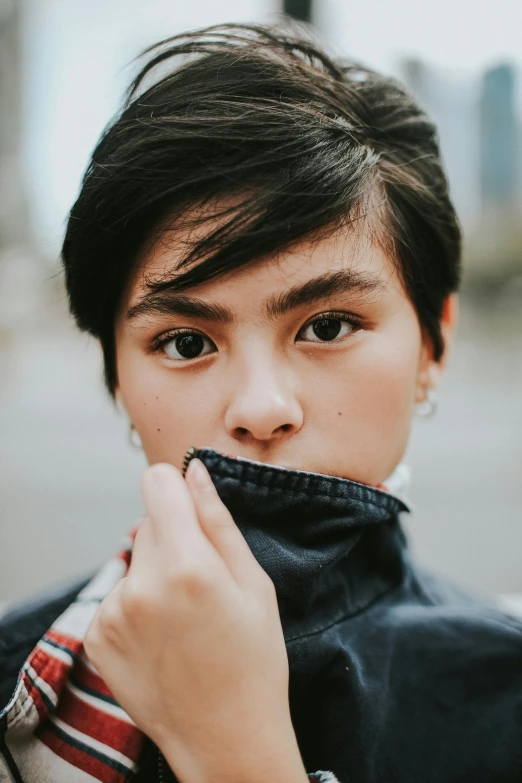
[(344, 249)]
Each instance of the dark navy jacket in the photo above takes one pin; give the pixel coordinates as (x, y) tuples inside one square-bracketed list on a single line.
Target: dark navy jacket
[(395, 675)]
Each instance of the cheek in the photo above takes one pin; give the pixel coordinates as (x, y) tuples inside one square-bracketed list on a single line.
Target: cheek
[(387, 381), (374, 393), (378, 389), (171, 409)]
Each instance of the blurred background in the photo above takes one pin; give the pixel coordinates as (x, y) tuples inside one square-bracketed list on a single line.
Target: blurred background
[(69, 478)]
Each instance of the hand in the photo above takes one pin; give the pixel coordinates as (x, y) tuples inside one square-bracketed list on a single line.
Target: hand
[(190, 641)]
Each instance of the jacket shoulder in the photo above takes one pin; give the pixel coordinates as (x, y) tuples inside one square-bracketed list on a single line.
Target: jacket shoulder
[(433, 614), (435, 590), (23, 625)]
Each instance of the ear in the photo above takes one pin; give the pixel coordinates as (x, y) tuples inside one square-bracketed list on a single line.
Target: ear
[(430, 371)]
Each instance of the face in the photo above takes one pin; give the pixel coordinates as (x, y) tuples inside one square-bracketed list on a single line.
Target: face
[(313, 360)]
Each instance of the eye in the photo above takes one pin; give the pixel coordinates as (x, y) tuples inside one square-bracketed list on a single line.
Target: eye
[(184, 345), (330, 327)]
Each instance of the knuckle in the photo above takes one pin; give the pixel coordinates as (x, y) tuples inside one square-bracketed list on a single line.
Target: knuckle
[(213, 509), (195, 581), (91, 642), (220, 525), (136, 601), (107, 626)]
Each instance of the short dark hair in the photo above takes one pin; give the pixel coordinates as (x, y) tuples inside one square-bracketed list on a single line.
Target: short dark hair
[(307, 143)]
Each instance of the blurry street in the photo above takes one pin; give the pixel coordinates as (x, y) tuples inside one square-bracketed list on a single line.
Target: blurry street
[(69, 478)]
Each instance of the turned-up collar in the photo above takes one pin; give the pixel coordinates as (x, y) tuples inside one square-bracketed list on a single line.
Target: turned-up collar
[(329, 544)]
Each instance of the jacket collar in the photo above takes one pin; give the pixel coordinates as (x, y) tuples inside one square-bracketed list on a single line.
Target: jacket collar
[(330, 545)]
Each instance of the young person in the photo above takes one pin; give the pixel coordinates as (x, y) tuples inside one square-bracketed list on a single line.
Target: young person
[(265, 248)]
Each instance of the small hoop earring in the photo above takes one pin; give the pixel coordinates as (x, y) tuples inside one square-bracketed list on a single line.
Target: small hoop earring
[(428, 407), (134, 438)]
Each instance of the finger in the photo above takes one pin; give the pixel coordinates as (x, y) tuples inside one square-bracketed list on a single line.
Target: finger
[(104, 629), (151, 562), (144, 555), (171, 511), (218, 524)]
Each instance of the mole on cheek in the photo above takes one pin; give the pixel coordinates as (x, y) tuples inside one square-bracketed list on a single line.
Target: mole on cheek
[(159, 429), (339, 413)]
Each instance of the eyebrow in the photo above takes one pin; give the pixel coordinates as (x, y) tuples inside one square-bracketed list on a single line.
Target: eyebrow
[(342, 281)]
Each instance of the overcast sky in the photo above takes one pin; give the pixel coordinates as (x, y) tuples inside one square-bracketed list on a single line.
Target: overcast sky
[(463, 34), (77, 52)]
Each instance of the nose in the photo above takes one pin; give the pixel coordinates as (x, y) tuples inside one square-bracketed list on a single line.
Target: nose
[(263, 405)]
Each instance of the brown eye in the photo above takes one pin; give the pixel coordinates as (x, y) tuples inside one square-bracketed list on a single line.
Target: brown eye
[(187, 345), (327, 329)]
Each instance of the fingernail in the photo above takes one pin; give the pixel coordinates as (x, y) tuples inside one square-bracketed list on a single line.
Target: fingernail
[(198, 475)]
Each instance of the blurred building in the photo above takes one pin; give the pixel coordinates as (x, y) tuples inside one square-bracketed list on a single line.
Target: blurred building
[(19, 281), (498, 139), (12, 212), (451, 102), (299, 9)]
